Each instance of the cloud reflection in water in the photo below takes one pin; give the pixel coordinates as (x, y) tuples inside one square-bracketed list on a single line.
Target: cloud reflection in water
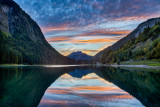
[(90, 90)]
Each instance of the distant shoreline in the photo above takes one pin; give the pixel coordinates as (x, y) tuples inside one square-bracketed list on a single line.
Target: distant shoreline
[(45, 65), (137, 66), (100, 65)]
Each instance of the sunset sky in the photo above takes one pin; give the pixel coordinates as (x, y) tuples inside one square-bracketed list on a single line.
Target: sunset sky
[(88, 25)]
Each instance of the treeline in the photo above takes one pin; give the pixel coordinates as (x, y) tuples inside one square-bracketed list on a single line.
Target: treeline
[(17, 49), (25, 44), (12, 51), (138, 48)]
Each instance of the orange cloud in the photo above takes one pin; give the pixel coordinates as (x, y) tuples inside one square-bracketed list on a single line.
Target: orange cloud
[(69, 39), (66, 52), (86, 51), (93, 52), (89, 52), (138, 18), (59, 39), (72, 39), (105, 32), (131, 18), (101, 40), (56, 28)]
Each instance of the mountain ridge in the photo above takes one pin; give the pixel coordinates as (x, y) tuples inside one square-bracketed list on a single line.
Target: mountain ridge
[(121, 42), (142, 44), (79, 56), (22, 39)]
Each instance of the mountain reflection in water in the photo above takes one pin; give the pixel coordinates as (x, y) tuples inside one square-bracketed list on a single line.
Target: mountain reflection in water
[(78, 86)]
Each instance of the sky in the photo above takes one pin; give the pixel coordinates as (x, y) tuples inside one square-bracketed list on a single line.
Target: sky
[(88, 25)]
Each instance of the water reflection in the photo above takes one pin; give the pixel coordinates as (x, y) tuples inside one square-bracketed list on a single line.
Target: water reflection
[(89, 90), (144, 84), (25, 86), (78, 86)]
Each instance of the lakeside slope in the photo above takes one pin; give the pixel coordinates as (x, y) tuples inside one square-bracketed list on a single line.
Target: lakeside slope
[(21, 39), (141, 44)]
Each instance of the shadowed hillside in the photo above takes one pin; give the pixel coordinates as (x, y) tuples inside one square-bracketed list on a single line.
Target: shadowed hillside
[(21, 39)]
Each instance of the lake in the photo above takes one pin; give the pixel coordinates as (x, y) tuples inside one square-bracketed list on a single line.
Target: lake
[(78, 86)]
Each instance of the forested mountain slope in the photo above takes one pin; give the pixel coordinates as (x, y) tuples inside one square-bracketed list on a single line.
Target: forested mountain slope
[(21, 39), (132, 35), (145, 46)]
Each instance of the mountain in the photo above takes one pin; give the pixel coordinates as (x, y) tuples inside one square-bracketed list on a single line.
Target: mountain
[(152, 25), (141, 44), (79, 56), (21, 39)]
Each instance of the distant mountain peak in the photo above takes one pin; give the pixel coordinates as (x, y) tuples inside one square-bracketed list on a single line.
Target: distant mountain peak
[(78, 52), (79, 55)]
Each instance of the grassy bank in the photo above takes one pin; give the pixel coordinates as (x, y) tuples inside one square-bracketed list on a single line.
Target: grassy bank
[(154, 62)]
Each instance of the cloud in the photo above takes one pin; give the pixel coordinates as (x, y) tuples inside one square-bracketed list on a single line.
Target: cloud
[(59, 39), (94, 40), (66, 52), (104, 32), (81, 12), (67, 39), (84, 22), (63, 27), (91, 52), (135, 18), (92, 34)]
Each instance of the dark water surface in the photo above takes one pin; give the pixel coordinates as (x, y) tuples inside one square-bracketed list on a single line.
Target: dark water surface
[(78, 86)]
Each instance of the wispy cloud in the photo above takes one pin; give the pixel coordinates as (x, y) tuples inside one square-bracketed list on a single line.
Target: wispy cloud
[(86, 22), (83, 12), (110, 36), (94, 40)]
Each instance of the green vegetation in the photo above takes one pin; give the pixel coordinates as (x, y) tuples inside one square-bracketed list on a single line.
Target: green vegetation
[(25, 43), (20, 49), (8, 54), (145, 46), (154, 62), (16, 49), (19, 87), (141, 83)]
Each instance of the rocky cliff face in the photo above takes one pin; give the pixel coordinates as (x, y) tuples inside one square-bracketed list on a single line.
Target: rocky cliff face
[(4, 18), (22, 40), (133, 34)]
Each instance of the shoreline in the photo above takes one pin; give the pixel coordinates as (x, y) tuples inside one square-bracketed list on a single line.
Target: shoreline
[(45, 65), (136, 66)]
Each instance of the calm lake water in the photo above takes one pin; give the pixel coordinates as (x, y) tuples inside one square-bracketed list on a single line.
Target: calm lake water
[(78, 86)]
